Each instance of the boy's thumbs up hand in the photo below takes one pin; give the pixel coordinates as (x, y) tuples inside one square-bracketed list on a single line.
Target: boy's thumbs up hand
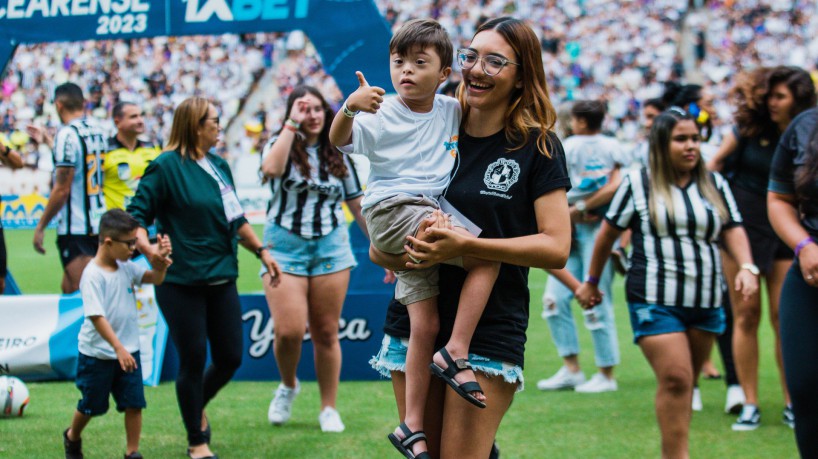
[(361, 80), (366, 98)]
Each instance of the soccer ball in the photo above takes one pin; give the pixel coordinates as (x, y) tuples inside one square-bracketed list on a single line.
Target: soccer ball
[(13, 396)]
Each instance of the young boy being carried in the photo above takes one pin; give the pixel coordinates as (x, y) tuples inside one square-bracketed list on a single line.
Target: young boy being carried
[(411, 143), (109, 337)]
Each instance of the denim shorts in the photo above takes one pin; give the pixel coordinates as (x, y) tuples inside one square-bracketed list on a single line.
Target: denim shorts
[(309, 257), (392, 357), (98, 378), (654, 319)]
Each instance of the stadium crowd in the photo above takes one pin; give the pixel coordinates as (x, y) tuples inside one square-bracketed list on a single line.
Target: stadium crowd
[(594, 49), (617, 60)]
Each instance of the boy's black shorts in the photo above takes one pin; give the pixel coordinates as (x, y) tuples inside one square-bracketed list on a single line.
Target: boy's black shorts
[(97, 378)]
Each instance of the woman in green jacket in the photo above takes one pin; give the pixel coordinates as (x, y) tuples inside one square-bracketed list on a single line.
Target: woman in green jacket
[(189, 192)]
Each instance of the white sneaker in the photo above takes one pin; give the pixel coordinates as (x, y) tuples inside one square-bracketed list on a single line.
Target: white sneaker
[(282, 404), (330, 420), (749, 419), (598, 383), (697, 400), (562, 379), (735, 399)]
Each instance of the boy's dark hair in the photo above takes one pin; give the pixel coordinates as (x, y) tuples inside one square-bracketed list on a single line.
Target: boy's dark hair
[(592, 111), (70, 95), (116, 223), (423, 33)]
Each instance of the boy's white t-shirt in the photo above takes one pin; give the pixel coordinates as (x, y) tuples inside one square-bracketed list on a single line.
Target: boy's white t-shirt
[(111, 295), (590, 160), (409, 153)]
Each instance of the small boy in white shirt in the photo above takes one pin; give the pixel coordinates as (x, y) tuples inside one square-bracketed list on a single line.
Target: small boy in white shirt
[(109, 337), (411, 143)]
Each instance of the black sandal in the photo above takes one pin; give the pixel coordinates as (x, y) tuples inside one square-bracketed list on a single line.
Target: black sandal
[(405, 445), (454, 367)]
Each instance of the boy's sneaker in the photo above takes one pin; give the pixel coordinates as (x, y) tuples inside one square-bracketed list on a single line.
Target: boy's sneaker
[(562, 379), (282, 404), (749, 419), (73, 449), (697, 404), (597, 383), (330, 420), (788, 417), (734, 400), (620, 260), (134, 455)]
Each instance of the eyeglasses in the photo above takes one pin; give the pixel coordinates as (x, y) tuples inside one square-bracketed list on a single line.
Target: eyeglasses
[(131, 243), (492, 65)]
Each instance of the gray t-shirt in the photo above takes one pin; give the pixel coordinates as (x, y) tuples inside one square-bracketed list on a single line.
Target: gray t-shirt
[(110, 294), (409, 153)]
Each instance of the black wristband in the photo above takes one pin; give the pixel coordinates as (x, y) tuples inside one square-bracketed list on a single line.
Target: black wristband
[(259, 250)]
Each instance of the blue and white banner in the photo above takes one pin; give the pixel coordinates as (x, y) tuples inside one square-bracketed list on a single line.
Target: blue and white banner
[(38, 335), (38, 338), (349, 35)]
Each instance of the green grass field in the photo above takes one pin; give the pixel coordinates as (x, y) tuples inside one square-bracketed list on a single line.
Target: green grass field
[(538, 425)]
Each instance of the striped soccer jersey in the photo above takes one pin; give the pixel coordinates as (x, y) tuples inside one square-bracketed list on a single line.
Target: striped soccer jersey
[(81, 145), (677, 262), (310, 207)]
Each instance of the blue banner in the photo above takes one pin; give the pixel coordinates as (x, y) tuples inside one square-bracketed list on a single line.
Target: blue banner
[(38, 333), (349, 35)]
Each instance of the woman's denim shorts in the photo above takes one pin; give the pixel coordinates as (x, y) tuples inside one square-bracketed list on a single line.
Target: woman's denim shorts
[(654, 319), (392, 357), (309, 257)]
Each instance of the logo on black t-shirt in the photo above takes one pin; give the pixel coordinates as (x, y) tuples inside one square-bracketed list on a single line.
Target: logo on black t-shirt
[(502, 174)]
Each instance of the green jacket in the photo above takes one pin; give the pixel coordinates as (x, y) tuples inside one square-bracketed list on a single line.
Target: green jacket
[(187, 205)]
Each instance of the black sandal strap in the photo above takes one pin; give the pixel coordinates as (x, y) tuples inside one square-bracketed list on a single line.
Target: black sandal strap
[(410, 437), (414, 438), (471, 386), (453, 367)]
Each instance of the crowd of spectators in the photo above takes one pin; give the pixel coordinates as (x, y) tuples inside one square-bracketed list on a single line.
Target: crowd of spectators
[(733, 36), (156, 74), (620, 52)]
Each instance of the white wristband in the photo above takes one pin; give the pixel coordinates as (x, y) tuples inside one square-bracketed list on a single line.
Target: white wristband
[(347, 112)]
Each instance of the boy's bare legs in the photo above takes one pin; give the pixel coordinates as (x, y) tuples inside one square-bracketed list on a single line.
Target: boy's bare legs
[(424, 325), (473, 298), (78, 423), (133, 428)]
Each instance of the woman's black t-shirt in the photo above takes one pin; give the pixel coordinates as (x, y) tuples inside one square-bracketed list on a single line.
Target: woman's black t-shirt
[(496, 189), (793, 153), (751, 168)]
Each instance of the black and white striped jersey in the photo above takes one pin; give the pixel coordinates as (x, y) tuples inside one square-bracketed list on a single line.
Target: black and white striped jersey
[(81, 145), (677, 262), (311, 206)]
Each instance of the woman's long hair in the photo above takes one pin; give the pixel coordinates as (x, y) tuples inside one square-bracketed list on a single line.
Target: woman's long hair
[(663, 175), (530, 107), (752, 90), (188, 117), (329, 158)]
